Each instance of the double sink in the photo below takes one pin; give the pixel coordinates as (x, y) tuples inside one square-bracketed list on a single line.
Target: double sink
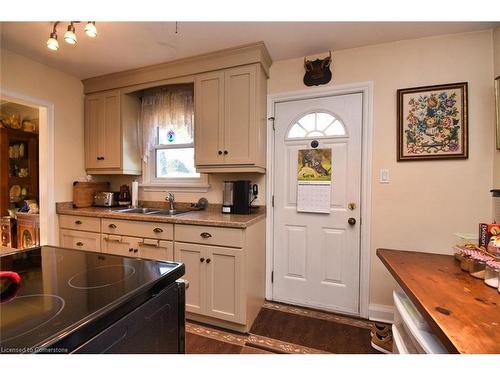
[(151, 211)]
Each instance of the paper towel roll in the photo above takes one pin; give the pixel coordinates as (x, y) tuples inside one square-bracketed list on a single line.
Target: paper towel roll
[(135, 193)]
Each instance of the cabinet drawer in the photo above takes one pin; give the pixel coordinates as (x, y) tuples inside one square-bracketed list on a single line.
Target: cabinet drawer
[(231, 237), (89, 224), (159, 231), (157, 250), (75, 239)]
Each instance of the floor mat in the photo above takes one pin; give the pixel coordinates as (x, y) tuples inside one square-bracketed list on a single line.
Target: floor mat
[(320, 334)]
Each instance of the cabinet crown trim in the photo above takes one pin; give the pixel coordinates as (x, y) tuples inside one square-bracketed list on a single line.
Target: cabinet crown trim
[(222, 59)]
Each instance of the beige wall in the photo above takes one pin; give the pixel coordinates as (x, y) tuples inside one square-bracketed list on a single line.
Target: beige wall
[(30, 78), (425, 201), (214, 193), (496, 67)]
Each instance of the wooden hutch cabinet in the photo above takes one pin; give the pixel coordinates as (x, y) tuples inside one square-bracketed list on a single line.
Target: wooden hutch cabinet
[(19, 168)]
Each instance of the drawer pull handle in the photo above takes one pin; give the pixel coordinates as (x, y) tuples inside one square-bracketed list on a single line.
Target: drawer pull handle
[(202, 260), (112, 226), (130, 250), (149, 244), (208, 260), (158, 230), (78, 222), (205, 235), (136, 250), (100, 158), (79, 243)]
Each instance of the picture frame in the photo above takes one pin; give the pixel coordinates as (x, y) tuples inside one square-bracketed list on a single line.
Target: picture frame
[(433, 122), (497, 106)]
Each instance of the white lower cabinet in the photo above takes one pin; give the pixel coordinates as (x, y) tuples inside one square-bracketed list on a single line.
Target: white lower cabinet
[(75, 239), (215, 281)]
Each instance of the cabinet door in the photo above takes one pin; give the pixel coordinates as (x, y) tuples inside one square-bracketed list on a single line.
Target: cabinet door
[(193, 257), (240, 126), (225, 297), (111, 131), (157, 250), (94, 122), (73, 239), (119, 245), (209, 118), (103, 130)]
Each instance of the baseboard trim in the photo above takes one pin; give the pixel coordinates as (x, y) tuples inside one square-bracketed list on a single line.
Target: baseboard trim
[(381, 313)]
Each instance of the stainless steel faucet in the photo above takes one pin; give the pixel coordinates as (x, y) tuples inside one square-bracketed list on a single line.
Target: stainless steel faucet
[(171, 199)]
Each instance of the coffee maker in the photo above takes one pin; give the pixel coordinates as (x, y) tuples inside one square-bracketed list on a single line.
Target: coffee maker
[(237, 197)]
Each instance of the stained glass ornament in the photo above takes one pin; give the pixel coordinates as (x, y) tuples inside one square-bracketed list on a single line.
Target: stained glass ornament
[(170, 136)]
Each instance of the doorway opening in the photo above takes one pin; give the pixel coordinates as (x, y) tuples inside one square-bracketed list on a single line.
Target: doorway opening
[(27, 208)]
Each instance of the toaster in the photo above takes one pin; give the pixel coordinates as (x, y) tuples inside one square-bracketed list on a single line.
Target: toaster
[(106, 198)]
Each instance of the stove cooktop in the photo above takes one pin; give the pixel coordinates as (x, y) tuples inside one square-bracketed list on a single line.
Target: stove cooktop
[(63, 289)]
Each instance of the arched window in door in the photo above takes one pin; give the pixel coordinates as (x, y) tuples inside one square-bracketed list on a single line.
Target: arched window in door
[(316, 125)]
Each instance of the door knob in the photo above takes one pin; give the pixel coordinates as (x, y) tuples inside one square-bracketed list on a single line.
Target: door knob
[(351, 221)]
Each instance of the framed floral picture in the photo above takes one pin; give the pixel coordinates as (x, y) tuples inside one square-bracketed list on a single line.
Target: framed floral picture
[(432, 122)]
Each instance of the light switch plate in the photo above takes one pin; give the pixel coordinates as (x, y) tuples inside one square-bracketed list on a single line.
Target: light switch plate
[(384, 176)]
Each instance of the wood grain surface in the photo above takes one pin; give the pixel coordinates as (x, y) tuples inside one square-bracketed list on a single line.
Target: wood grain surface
[(461, 310)]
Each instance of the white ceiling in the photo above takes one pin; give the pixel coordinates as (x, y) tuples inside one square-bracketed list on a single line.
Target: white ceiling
[(126, 45)]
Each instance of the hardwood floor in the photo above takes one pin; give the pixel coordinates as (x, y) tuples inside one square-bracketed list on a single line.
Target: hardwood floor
[(281, 328)]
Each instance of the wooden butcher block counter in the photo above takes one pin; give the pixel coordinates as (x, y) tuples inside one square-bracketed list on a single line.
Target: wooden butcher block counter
[(463, 311)]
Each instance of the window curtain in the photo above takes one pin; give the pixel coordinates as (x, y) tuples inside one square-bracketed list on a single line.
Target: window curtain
[(169, 108)]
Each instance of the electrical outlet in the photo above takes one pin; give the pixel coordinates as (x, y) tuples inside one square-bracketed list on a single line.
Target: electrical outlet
[(384, 176)]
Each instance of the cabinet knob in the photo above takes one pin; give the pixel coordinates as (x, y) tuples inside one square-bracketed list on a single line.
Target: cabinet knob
[(79, 244), (78, 222), (208, 260), (205, 235), (202, 260), (158, 230), (112, 226), (136, 250), (225, 152), (130, 250), (220, 152)]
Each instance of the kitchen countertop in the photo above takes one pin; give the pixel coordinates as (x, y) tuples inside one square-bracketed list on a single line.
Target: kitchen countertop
[(463, 311), (210, 217)]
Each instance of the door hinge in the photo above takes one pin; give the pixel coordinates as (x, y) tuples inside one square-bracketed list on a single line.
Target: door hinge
[(272, 119), (272, 277), (272, 201)]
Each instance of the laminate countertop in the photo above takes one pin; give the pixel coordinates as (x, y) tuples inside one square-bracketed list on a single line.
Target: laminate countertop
[(463, 311), (210, 217)]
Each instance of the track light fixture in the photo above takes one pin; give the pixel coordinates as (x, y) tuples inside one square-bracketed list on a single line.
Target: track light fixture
[(90, 29), (70, 34)]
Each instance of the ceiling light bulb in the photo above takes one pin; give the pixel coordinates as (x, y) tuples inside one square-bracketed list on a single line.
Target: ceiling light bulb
[(90, 29), (70, 36), (52, 43)]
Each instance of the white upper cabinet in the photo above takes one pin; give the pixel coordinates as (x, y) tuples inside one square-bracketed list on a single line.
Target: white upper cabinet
[(230, 120), (111, 133)]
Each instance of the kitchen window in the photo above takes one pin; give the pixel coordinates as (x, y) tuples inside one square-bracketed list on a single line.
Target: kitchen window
[(167, 117)]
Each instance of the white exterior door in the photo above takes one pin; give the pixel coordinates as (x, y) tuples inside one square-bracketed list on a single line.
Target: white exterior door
[(317, 255)]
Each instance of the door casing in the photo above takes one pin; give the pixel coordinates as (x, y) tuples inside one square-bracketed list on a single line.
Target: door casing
[(366, 89)]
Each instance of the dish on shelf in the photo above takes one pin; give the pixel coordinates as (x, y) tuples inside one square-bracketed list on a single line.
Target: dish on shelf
[(15, 192)]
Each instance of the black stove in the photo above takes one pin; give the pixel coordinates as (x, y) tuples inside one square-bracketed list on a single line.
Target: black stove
[(70, 298)]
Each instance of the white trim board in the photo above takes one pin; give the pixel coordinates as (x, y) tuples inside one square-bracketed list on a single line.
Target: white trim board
[(366, 88), (48, 231), (381, 313)]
